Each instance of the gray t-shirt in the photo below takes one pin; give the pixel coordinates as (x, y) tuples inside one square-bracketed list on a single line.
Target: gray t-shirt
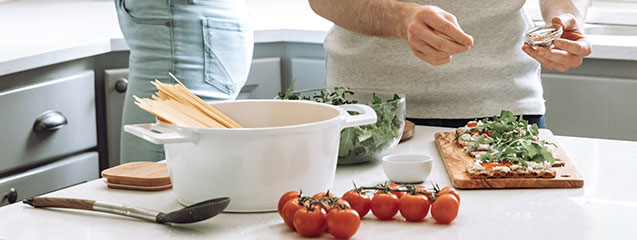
[(494, 75)]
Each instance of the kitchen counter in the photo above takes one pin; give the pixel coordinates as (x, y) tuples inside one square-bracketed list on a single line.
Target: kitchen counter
[(604, 208), (44, 32)]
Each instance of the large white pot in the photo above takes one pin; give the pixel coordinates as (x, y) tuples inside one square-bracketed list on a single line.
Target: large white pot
[(284, 146)]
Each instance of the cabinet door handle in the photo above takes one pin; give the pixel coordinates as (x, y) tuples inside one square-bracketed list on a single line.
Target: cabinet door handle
[(11, 196), (121, 85), (49, 121)]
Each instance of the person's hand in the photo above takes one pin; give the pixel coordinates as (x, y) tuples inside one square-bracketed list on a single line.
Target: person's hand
[(569, 49), (434, 35)]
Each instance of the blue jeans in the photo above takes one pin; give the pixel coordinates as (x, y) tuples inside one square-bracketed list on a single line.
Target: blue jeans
[(454, 123), (206, 44)]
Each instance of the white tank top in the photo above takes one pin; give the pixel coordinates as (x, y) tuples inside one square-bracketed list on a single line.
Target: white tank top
[(495, 74)]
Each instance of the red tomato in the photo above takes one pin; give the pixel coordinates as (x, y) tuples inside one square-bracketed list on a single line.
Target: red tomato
[(384, 205), (288, 211), (359, 202), (339, 201), (310, 223), (397, 193), (285, 198), (449, 190), (427, 194), (343, 202), (413, 208), (343, 223), (321, 194), (445, 208), (472, 124), (489, 133)]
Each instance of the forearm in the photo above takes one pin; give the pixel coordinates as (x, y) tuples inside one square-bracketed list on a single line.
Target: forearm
[(552, 8), (384, 18)]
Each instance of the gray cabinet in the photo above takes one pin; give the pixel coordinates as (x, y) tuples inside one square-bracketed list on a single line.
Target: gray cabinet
[(590, 106), (309, 73), (264, 80), (49, 133), (47, 120), (50, 177)]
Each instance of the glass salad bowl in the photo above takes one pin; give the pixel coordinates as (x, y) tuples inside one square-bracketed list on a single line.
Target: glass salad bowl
[(367, 142)]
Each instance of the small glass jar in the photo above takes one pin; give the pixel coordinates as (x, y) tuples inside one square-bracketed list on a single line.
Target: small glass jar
[(543, 36)]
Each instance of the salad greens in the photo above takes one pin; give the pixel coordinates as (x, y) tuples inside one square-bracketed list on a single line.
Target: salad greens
[(366, 142), (510, 139)]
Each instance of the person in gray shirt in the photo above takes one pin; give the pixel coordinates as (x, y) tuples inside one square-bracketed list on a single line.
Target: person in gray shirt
[(454, 60)]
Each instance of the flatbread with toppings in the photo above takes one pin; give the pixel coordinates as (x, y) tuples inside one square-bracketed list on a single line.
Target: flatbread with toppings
[(507, 147)]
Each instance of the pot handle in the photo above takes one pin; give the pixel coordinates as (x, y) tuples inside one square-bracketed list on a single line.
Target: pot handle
[(367, 115), (156, 134)]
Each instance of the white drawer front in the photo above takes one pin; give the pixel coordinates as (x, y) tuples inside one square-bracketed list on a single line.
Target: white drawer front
[(71, 99)]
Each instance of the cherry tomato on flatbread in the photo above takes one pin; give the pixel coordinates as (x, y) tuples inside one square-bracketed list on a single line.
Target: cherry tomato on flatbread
[(449, 190), (310, 223), (343, 223), (489, 133), (472, 124), (359, 202), (397, 193), (285, 198), (413, 208), (384, 205), (289, 209), (445, 208)]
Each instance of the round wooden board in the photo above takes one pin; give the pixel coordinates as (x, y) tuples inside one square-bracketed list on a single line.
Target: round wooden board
[(408, 132), (138, 176)]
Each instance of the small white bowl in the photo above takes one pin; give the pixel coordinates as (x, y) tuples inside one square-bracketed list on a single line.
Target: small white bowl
[(407, 167)]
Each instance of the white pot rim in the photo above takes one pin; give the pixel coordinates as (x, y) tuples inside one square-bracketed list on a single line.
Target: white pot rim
[(336, 120)]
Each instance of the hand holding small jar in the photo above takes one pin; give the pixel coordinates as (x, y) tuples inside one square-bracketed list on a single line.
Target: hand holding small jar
[(568, 50)]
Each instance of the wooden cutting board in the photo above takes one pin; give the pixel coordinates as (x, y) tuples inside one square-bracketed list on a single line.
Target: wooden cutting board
[(408, 131), (456, 162), (140, 176)]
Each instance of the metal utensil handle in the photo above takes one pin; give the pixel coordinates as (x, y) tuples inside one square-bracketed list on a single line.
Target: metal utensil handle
[(83, 204), (125, 210)]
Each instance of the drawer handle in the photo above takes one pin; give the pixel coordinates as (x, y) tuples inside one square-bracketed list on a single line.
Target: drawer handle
[(121, 85), (49, 121), (11, 196)]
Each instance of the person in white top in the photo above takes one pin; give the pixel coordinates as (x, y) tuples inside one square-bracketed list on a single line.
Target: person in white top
[(454, 60)]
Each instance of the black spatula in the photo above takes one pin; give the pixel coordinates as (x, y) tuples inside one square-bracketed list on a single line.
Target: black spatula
[(190, 214)]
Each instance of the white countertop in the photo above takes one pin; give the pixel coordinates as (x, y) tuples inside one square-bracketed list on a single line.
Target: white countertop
[(37, 33), (604, 209)]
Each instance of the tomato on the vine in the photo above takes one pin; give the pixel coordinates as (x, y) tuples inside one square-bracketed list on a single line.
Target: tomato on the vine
[(343, 223), (359, 202), (285, 198), (445, 208), (289, 209), (426, 193), (413, 207), (310, 222), (397, 193), (449, 190), (322, 194), (342, 202), (384, 205)]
